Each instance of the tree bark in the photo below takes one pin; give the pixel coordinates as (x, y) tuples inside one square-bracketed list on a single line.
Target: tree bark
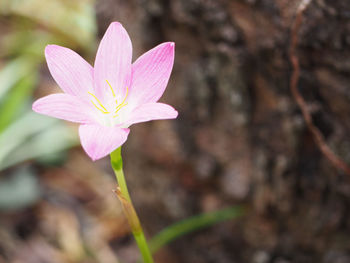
[(240, 137)]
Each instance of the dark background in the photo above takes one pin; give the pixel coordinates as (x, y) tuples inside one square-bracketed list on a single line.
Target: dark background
[(240, 139)]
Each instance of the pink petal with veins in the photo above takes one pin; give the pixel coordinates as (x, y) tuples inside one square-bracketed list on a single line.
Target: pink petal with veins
[(99, 141), (151, 72), (113, 62), (71, 72), (65, 107), (151, 111)]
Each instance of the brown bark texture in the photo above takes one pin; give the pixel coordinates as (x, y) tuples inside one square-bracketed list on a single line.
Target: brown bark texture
[(241, 137)]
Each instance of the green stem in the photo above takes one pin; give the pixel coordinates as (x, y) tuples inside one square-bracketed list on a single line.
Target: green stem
[(129, 210)]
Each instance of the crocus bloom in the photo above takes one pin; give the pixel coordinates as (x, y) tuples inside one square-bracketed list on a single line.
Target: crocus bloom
[(114, 94)]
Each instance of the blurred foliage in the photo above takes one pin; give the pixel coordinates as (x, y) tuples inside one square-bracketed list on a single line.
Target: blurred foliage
[(26, 27), (71, 21), (22, 140), (19, 191)]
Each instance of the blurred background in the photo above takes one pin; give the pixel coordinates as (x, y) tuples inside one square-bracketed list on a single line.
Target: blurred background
[(240, 138)]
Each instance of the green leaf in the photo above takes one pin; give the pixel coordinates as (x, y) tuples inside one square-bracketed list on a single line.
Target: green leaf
[(55, 139), (16, 100), (13, 72), (33, 136), (192, 224), (18, 132)]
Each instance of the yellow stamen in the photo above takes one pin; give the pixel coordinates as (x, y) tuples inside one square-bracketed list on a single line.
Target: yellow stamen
[(103, 110), (121, 105), (119, 108), (100, 106), (110, 87)]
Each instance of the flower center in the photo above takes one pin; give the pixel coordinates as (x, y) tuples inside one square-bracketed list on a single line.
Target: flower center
[(98, 104)]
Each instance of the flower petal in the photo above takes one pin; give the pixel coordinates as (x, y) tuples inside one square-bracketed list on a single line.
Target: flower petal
[(99, 141), (151, 111), (151, 72), (64, 106), (71, 72), (113, 62)]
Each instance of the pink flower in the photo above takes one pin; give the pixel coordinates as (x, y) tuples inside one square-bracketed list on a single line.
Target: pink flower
[(114, 94)]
